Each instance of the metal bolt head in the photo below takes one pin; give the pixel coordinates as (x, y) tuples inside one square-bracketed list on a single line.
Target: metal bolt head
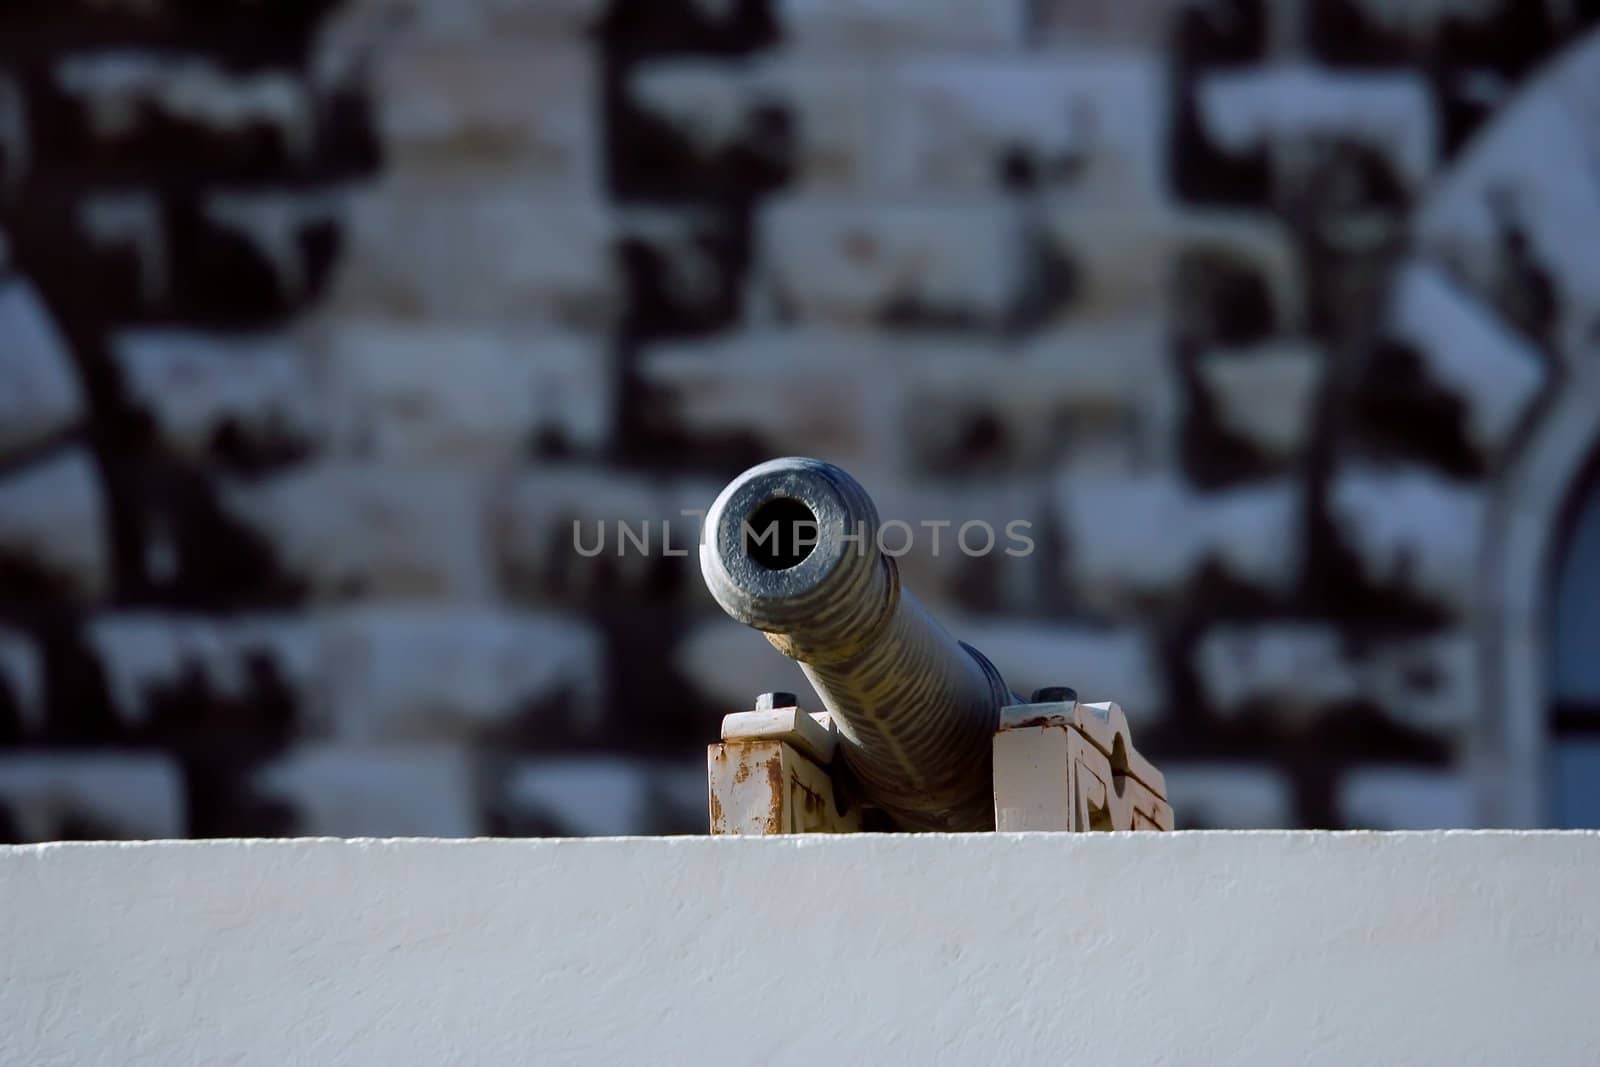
[(769, 701), (1055, 694)]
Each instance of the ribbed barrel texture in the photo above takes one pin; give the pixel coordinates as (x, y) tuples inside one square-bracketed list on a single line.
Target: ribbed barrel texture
[(916, 709)]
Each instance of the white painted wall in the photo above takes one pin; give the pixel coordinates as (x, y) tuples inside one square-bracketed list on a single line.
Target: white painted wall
[(1262, 948)]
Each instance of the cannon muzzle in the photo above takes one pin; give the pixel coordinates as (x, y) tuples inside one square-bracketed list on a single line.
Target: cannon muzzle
[(791, 548)]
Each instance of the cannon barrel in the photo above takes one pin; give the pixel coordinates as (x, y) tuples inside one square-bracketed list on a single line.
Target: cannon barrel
[(791, 548)]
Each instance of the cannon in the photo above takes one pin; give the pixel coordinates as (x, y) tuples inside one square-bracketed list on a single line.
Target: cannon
[(918, 731)]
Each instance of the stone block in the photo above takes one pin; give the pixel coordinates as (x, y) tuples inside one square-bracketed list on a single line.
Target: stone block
[(727, 665), (475, 21), (1405, 798), (435, 248), (360, 791), (1517, 219), (493, 106), (1468, 351), (604, 796), (1082, 24), (830, 393), (1122, 264), (39, 391), (1141, 540), (963, 262), (1301, 671), (579, 796), (399, 673), (350, 529), (876, 26), (686, 269), (155, 660), (1118, 663), (680, 797), (1096, 393), (876, 402), (90, 796), (1102, 262), (427, 391), (816, 117), (208, 391), (376, 675), (1265, 395), (1229, 796), (574, 533), (1411, 532), (132, 100), (927, 403), (1090, 128), (982, 544), (1278, 109), (53, 521)]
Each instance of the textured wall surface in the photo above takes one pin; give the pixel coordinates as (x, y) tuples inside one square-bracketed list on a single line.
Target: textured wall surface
[(1265, 948), (320, 324)]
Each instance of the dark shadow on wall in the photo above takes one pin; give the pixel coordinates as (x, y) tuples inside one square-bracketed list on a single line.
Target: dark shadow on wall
[(112, 216)]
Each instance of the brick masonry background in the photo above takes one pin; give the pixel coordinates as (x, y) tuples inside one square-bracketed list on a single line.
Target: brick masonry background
[(323, 322)]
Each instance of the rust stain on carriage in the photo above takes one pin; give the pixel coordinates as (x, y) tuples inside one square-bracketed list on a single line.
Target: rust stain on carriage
[(812, 819), (775, 780), (776, 793), (741, 773), (743, 770)]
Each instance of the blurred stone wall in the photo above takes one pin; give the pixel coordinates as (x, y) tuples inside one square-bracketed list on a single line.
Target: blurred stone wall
[(323, 322)]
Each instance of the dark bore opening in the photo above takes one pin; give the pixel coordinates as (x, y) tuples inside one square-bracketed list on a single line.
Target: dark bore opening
[(780, 533)]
